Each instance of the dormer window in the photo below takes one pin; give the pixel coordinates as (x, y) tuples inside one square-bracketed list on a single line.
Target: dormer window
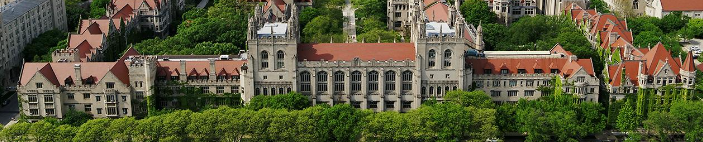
[(521, 71), (89, 80), (503, 71), (486, 71), (555, 71), (175, 78), (538, 71), (221, 77), (68, 82)]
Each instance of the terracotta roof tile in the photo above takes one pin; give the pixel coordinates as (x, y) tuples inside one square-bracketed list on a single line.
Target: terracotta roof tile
[(199, 68), (689, 65), (349, 51), (437, 12), (58, 72), (682, 5)]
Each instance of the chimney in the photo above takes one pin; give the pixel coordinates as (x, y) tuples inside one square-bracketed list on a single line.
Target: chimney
[(212, 69), (183, 70), (78, 80)]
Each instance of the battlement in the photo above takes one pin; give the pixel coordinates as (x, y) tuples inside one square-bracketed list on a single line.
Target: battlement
[(262, 26), (65, 55), (140, 60)]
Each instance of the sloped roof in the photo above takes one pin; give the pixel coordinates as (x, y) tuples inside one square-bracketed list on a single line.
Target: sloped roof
[(689, 65), (437, 12), (201, 68), (657, 56), (682, 5), (60, 71), (130, 52), (151, 4), (349, 51), (631, 71)]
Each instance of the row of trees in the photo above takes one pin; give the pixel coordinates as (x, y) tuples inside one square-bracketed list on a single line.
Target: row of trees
[(673, 117), (453, 121), (217, 30)]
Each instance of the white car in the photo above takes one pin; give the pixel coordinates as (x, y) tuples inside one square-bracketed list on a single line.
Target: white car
[(695, 48)]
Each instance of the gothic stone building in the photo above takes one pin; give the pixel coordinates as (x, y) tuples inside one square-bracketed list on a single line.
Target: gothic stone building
[(442, 56)]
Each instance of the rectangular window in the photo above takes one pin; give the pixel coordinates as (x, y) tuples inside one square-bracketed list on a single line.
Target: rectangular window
[(109, 85), (373, 104), (32, 98), (529, 93), (33, 111), (503, 71), (513, 83), (124, 111), (339, 87), (356, 86), (48, 98), (87, 108), (205, 89), (496, 83), (407, 104), (321, 86), (390, 86), (234, 89), (124, 98), (111, 98), (72, 107), (373, 86), (97, 98), (486, 71), (40, 85), (529, 83), (70, 96), (390, 104), (555, 71), (111, 111), (521, 71), (86, 95), (49, 111), (398, 14), (581, 79), (512, 93), (356, 104), (139, 94), (538, 71), (495, 93), (220, 89), (305, 87)]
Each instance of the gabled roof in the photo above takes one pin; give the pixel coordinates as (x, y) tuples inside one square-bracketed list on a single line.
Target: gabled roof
[(657, 56), (200, 68), (349, 51), (130, 52), (280, 4), (151, 4), (631, 71), (60, 71)]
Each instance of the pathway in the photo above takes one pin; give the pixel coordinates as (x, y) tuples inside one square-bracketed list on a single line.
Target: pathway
[(350, 25)]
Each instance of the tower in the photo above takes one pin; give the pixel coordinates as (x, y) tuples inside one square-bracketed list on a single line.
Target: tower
[(272, 54)]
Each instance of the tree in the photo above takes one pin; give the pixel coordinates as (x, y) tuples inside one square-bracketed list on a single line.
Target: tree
[(40, 49), (599, 5), (121, 129), (452, 122), (695, 27), (290, 101), (493, 34), (651, 38), (624, 8), (477, 11), (74, 13), (370, 24), (627, 119), (690, 114), (388, 126), (380, 35), (477, 99), (16, 132), (92, 131), (321, 25), (97, 8), (663, 124), (370, 9), (75, 118), (673, 21), (342, 123)]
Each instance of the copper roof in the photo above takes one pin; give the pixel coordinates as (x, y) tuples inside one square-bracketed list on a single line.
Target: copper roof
[(349, 51)]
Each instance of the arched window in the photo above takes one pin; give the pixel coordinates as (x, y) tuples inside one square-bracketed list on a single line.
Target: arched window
[(373, 81), (390, 80), (266, 91), (431, 58), (446, 89), (339, 81), (356, 81), (289, 90), (447, 58), (321, 81), (257, 92), (264, 59), (423, 91), (279, 59), (280, 90), (454, 88), (431, 90), (304, 81), (439, 91), (273, 91), (407, 80)]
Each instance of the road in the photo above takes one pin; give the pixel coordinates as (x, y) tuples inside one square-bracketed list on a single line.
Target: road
[(693, 42), (9, 111), (350, 25), (202, 4)]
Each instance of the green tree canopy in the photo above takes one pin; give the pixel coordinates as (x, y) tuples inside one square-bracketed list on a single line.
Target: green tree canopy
[(477, 11)]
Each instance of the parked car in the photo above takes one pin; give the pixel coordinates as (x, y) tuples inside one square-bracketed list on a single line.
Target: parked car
[(695, 48)]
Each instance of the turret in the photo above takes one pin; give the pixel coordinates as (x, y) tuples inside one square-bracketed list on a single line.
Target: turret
[(479, 37)]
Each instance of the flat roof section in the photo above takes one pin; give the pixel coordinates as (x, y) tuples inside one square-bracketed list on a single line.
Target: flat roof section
[(273, 29)]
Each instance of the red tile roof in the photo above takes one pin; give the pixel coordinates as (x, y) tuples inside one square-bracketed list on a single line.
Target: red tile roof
[(349, 51), (437, 12), (130, 52), (529, 65), (682, 5), (151, 4), (631, 71), (656, 58), (689, 65), (279, 3), (58, 72), (199, 68)]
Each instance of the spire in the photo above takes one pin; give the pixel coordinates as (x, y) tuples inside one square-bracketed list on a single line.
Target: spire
[(688, 65)]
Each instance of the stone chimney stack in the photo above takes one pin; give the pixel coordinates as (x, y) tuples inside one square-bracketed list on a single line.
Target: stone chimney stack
[(212, 69), (183, 71), (78, 80)]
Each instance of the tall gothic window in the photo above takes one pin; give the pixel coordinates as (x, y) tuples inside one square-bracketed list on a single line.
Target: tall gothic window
[(390, 80), (430, 58), (339, 81), (264, 59), (373, 81), (356, 81), (447, 58), (279, 59), (407, 80), (321, 81), (304, 81)]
